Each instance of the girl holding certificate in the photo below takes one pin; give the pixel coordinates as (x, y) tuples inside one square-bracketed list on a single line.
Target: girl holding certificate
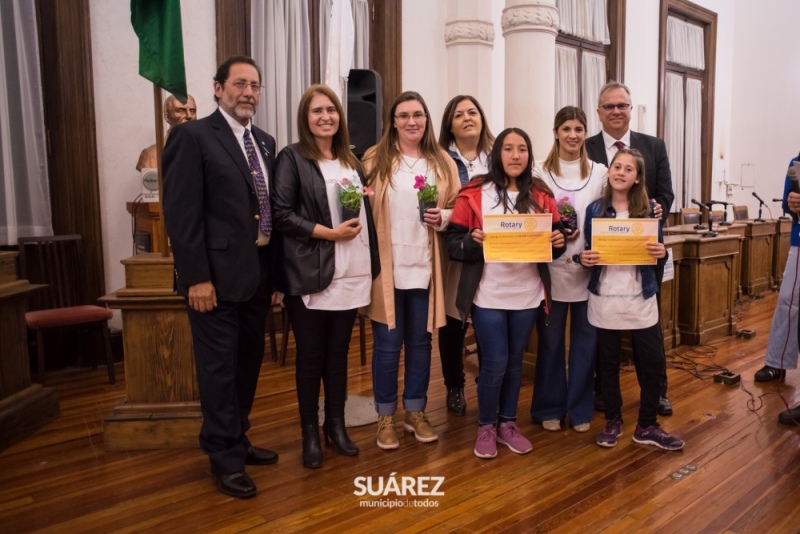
[(407, 299), (466, 137), (502, 298), (623, 297), (575, 181)]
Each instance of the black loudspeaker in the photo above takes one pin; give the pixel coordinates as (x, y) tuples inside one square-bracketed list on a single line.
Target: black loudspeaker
[(364, 109)]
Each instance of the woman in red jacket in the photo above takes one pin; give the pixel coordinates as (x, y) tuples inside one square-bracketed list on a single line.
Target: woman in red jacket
[(502, 298)]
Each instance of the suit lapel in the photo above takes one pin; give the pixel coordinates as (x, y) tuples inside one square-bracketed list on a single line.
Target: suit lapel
[(231, 145), (599, 148)]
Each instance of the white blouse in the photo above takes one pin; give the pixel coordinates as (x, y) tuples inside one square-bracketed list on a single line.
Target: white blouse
[(352, 273), (506, 286)]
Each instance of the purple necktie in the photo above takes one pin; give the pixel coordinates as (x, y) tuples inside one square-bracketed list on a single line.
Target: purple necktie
[(265, 222), (619, 144)]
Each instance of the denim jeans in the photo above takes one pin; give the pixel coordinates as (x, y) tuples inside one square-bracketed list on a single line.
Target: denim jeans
[(782, 345), (411, 333), (504, 334), (554, 393)]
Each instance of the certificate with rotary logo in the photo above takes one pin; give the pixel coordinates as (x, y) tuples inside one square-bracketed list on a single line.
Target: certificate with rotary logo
[(622, 241), (518, 238)]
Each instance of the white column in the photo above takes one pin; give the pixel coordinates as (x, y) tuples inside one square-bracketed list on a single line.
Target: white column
[(530, 28), (469, 37)]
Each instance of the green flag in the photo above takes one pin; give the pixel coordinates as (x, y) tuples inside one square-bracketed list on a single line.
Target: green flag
[(158, 25)]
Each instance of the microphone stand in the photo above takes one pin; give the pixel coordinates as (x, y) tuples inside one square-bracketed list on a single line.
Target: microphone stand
[(760, 204)]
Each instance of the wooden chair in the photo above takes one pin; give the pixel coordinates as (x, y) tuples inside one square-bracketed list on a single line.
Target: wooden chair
[(690, 216), (58, 262), (717, 216), (740, 213)]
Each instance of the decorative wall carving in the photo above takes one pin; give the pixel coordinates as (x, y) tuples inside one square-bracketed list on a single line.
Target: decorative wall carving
[(469, 32), (531, 18)]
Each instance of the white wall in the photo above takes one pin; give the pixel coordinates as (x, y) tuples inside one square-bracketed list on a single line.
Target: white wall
[(765, 96), (124, 111)]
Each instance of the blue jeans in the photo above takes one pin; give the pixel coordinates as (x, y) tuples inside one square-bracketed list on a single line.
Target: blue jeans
[(782, 345), (411, 331), (504, 334), (554, 393)]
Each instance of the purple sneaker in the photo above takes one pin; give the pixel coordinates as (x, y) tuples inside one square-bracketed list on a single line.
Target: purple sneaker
[(508, 434), (655, 435), (613, 431), (486, 444)]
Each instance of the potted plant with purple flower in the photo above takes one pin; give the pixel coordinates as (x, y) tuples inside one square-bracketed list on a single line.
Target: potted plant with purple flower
[(427, 195), (350, 195)]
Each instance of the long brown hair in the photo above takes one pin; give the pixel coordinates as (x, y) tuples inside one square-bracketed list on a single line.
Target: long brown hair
[(446, 137), (552, 163), (638, 203), (387, 152), (526, 182), (341, 139)]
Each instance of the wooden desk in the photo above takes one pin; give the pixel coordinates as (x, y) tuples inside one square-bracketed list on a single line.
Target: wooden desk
[(707, 288), (780, 248), (757, 257), (146, 219), (670, 294), (690, 229), (24, 407)]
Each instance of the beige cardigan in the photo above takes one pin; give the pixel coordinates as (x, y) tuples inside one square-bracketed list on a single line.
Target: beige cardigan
[(381, 307)]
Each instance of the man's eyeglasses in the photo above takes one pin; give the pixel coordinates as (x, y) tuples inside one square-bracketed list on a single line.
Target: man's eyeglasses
[(241, 85), (404, 117), (624, 106)]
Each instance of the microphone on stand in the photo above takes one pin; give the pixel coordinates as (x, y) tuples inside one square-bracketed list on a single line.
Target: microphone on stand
[(761, 203), (710, 232)]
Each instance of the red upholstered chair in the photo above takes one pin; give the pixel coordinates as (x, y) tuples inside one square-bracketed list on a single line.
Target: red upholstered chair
[(58, 262)]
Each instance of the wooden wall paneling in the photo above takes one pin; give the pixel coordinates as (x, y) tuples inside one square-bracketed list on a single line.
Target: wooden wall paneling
[(233, 29), (616, 51), (385, 48), (67, 83)]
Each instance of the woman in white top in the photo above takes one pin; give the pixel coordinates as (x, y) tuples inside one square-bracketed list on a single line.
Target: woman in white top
[(575, 181), (466, 137), (408, 296), (325, 264)]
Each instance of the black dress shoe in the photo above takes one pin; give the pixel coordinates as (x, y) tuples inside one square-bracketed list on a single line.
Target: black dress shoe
[(788, 417), (456, 402), (664, 406), (259, 456), (237, 484)]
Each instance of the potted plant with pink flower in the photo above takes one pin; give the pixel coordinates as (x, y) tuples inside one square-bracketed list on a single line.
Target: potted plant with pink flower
[(427, 194)]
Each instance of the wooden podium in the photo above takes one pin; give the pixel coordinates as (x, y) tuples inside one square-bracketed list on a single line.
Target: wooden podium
[(146, 217), (24, 407), (162, 410), (781, 246)]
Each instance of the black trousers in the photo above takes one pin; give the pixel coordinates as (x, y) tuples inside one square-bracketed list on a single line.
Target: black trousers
[(649, 361), (323, 340), (228, 351), (451, 352)]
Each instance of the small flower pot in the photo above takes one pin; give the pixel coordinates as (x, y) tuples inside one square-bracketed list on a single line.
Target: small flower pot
[(423, 207), (349, 213)]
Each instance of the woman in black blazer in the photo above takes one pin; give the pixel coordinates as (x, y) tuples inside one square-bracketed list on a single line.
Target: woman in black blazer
[(325, 265)]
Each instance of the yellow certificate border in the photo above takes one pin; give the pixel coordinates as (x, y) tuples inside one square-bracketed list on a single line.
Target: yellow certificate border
[(525, 245), (622, 248)]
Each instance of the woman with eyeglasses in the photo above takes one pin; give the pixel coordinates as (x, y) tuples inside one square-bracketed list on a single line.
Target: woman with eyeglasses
[(326, 262), (407, 301), (466, 137), (559, 389)]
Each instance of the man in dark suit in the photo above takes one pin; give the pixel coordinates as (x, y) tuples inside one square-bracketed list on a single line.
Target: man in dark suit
[(614, 110), (216, 208)]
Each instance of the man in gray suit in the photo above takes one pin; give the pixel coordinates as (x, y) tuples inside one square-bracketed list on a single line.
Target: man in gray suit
[(614, 109)]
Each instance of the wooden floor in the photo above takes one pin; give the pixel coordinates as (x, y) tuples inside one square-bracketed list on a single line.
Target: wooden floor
[(745, 478)]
